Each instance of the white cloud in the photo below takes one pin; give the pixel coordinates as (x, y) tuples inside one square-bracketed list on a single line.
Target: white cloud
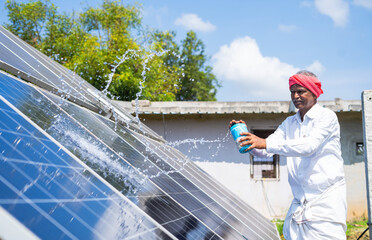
[(338, 10), (286, 28), (316, 67), (364, 3), (193, 22), (261, 76)]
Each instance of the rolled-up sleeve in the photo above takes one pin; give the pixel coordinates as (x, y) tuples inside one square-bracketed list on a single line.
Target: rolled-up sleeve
[(260, 153)]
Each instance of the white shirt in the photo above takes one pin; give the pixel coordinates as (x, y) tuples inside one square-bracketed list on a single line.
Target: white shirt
[(313, 151), (315, 170)]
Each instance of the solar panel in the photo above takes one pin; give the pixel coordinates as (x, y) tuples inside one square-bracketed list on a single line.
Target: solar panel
[(69, 167)]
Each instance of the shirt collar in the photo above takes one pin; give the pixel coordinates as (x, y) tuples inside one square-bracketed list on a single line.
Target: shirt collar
[(313, 111), (310, 114)]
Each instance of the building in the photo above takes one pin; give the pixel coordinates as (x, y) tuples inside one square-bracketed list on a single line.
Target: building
[(200, 130)]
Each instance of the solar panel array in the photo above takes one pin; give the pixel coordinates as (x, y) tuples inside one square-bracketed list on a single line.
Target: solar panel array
[(69, 172)]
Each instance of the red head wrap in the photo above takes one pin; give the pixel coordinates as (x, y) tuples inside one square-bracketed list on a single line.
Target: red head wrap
[(309, 82)]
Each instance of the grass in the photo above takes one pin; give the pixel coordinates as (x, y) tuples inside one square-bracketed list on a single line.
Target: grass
[(279, 226), (354, 228)]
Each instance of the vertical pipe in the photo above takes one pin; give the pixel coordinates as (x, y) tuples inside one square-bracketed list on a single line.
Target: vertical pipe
[(367, 135)]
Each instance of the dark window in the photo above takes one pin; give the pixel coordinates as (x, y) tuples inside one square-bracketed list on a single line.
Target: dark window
[(359, 149), (264, 168)]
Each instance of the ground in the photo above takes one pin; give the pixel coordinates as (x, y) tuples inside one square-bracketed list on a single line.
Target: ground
[(354, 229)]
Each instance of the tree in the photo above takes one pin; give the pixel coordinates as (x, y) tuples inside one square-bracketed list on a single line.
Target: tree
[(110, 27), (198, 82), (64, 39), (98, 44), (27, 20), (163, 73)]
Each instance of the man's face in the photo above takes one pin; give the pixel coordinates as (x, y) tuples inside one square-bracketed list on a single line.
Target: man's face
[(302, 98)]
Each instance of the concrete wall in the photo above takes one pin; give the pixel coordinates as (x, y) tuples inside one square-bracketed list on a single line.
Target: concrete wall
[(351, 133), (207, 141)]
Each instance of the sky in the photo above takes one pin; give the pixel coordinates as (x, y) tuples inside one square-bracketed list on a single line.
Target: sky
[(255, 46)]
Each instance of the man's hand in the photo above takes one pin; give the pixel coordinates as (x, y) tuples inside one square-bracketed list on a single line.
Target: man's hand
[(249, 138), (256, 142), (232, 122)]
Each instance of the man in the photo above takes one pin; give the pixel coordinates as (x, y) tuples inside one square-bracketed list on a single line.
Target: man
[(310, 140)]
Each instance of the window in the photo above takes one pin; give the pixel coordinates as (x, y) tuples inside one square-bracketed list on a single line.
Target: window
[(359, 149), (264, 168)]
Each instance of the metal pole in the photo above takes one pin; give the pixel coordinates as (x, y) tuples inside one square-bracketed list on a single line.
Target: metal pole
[(367, 135)]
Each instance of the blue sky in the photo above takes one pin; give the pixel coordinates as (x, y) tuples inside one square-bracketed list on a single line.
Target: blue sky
[(254, 46)]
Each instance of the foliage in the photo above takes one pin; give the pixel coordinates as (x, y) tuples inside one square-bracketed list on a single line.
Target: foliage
[(98, 44), (198, 82), (27, 20), (163, 74)]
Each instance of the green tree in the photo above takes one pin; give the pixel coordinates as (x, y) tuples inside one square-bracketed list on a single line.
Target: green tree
[(64, 39), (39, 24), (198, 82), (27, 20), (110, 26), (163, 71), (98, 44)]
